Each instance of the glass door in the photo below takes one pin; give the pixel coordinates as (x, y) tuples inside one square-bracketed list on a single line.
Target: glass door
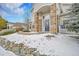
[(47, 25)]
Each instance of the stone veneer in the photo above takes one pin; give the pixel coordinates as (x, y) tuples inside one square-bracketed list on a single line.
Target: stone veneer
[(54, 20), (38, 22)]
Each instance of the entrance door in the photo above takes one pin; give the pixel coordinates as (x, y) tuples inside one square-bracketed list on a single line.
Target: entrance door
[(47, 25)]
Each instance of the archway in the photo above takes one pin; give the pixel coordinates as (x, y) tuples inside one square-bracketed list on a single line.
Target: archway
[(42, 23)]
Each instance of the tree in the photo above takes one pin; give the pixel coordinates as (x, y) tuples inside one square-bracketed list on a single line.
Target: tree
[(74, 26), (3, 23)]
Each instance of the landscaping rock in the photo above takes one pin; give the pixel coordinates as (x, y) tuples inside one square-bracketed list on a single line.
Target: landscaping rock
[(36, 53), (7, 45), (49, 36), (18, 49)]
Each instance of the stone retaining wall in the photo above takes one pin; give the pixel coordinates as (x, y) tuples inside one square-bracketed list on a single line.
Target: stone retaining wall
[(18, 49)]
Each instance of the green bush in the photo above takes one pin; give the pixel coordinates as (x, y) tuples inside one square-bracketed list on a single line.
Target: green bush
[(6, 32)]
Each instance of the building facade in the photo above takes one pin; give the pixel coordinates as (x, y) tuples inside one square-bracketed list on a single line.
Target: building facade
[(49, 17)]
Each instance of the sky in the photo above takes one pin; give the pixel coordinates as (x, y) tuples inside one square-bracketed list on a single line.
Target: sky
[(15, 12)]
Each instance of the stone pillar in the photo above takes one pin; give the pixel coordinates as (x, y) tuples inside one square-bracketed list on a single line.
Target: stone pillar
[(38, 22), (54, 21)]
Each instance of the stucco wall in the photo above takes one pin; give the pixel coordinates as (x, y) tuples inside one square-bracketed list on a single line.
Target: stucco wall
[(64, 15), (37, 6)]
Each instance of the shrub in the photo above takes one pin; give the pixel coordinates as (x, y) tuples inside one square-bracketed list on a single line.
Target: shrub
[(26, 30), (8, 31)]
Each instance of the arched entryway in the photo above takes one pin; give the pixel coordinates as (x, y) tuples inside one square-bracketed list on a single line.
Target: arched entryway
[(43, 23)]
